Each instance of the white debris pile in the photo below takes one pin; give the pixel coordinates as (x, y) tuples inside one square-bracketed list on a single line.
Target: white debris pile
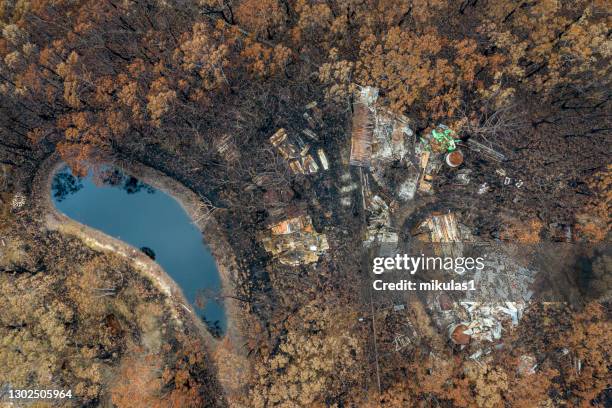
[(527, 365), (503, 279), (379, 223), (18, 201), (407, 189), (392, 134), (487, 320)]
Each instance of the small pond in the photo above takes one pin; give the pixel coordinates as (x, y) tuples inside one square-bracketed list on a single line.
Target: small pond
[(146, 218)]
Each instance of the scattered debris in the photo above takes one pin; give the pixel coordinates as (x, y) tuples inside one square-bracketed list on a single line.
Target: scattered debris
[(407, 190), (294, 241), (310, 120), (227, 149), (285, 148), (486, 320), (426, 177), (310, 134), (511, 281), (310, 165), (379, 223), (401, 341), (442, 228), (18, 201), (527, 365), (348, 188), (315, 117), (300, 161), (463, 177), (429, 164), (390, 133), (483, 188), (577, 365), (485, 150), (323, 158)]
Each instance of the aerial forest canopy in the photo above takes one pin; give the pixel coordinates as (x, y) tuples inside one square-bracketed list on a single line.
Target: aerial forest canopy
[(200, 90), (91, 76)]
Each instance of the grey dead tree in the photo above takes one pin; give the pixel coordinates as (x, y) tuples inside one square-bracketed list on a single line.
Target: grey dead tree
[(493, 120), (111, 288), (203, 211)]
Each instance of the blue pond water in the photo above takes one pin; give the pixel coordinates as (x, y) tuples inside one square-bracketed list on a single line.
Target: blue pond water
[(125, 208)]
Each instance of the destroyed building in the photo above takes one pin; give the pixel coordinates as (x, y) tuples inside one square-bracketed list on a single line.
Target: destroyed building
[(294, 241), (378, 136), (379, 228), (479, 318), (362, 129), (441, 228), (443, 231), (381, 138), (297, 153)]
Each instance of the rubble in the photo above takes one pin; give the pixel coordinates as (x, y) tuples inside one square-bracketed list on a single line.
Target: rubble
[(310, 134), (407, 190), (310, 120), (297, 155), (310, 165), (279, 140), (429, 164), (348, 188), (401, 341), (363, 127), (485, 150), (510, 281), (379, 223), (483, 188), (527, 365), (294, 241), (390, 132), (463, 177), (315, 117), (447, 235), (486, 320), (441, 228), (18, 201), (323, 158)]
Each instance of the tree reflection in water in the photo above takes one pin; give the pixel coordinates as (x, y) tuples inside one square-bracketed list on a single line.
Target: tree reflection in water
[(65, 183)]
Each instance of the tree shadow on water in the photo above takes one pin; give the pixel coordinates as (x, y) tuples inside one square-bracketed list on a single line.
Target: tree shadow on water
[(65, 184)]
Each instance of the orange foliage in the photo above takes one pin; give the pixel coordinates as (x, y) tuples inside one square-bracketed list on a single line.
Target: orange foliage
[(522, 232)]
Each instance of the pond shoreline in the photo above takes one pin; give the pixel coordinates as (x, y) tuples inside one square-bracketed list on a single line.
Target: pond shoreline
[(183, 313)]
